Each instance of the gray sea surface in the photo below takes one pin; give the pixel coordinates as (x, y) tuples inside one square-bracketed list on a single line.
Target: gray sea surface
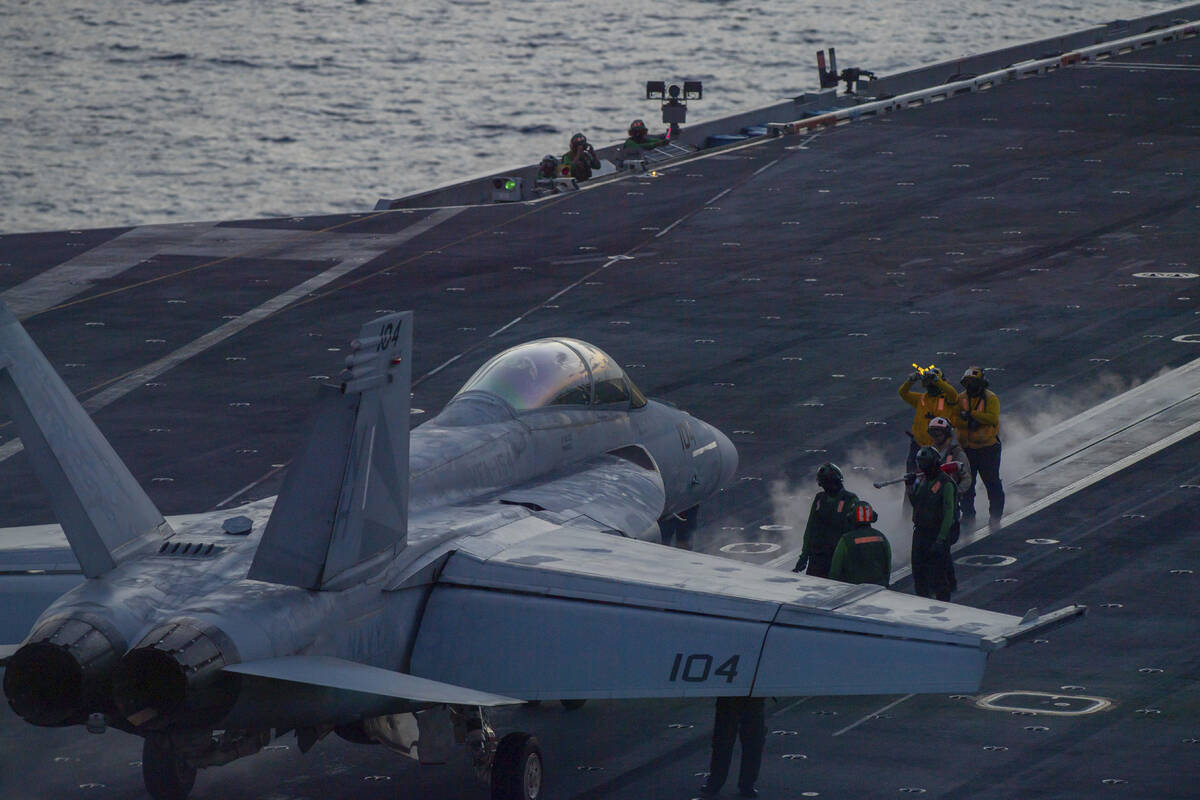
[(119, 112)]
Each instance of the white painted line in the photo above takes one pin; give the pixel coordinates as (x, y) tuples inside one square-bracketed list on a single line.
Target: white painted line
[(710, 446), (1135, 66), (790, 706), (718, 196), (667, 229), (612, 260), (149, 372), (106, 260), (765, 167), (874, 714)]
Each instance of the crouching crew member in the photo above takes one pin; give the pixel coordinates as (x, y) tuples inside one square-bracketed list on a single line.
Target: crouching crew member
[(828, 519), (978, 424), (863, 555), (937, 400), (932, 495)]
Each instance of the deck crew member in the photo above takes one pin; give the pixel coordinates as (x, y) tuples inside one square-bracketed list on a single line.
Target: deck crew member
[(863, 555), (639, 139), (580, 160), (737, 717), (932, 495), (828, 519), (546, 174), (937, 400), (942, 435), (978, 423)]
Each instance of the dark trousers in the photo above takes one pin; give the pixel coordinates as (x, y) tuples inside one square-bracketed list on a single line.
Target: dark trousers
[(931, 567), (985, 466), (819, 564), (737, 717)]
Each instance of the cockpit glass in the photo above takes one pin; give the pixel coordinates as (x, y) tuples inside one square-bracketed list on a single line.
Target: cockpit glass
[(607, 376), (534, 375)]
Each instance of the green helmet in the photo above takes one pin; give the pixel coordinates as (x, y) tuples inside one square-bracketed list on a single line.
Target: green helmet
[(829, 477), (928, 458)]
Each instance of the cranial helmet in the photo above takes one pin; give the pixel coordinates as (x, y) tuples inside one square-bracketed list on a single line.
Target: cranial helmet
[(933, 373), (928, 458), (864, 514), (973, 374), (577, 140), (829, 477), (939, 424), (636, 127)]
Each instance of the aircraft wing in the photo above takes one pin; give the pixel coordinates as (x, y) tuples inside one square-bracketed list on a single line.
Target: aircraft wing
[(350, 676), (541, 611)]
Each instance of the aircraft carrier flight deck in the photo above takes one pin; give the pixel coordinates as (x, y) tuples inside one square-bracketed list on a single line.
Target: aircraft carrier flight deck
[(779, 288)]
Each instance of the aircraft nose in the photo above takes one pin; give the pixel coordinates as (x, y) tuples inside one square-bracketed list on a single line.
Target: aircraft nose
[(729, 459)]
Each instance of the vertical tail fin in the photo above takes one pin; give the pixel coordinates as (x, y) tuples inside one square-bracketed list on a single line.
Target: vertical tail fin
[(345, 498), (105, 514)]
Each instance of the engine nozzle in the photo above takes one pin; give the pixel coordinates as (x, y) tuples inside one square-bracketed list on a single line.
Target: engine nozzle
[(174, 677), (62, 672)]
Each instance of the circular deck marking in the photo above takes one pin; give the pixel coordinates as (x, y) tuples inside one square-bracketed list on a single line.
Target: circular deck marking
[(985, 560), (1167, 275), (1187, 338), (751, 548), (774, 528)]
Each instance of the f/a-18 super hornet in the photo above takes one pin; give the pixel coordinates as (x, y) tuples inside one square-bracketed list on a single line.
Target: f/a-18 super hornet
[(402, 583)]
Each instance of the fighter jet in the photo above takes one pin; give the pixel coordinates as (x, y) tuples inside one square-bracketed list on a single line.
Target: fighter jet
[(508, 550)]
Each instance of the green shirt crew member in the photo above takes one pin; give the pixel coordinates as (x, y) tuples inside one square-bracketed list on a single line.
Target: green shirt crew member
[(639, 139), (580, 160), (829, 518), (863, 555), (933, 499)]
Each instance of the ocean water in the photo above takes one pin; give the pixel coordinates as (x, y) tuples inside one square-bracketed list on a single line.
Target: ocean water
[(120, 112)]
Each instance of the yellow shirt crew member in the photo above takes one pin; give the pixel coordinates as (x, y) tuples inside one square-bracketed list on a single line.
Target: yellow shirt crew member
[(938, 400)]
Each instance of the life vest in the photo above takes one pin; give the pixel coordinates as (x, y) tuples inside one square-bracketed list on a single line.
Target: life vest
[(981, 436)]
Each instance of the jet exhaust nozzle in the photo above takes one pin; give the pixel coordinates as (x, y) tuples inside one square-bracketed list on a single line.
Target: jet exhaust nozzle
[(173, 677), (62, 673)]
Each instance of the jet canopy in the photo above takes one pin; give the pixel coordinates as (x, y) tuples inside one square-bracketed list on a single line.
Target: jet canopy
[(555, 372)]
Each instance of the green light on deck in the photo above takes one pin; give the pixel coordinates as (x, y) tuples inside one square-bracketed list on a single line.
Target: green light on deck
[(509, 185)]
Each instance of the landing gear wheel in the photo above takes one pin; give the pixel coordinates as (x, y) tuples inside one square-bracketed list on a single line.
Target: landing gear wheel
[(517, 768), (167, 776), (571, 705)]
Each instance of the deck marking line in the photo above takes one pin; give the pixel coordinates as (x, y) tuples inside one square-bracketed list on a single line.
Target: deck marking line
[(765, 167), (873, 714), (502, 328), (135, 378), (721, 194), (667, 229)]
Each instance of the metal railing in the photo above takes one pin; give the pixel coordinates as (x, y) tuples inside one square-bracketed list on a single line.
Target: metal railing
[(980, 83)]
